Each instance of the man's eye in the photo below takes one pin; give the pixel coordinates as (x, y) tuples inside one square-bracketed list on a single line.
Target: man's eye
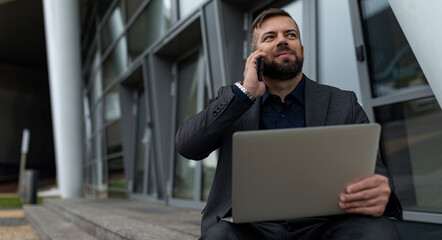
[(268, 37), (291, 35)]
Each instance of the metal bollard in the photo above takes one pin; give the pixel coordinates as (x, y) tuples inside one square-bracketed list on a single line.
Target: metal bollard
[(31, 186)]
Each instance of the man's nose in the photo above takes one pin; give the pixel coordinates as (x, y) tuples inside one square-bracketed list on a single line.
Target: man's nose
[(281, 40)]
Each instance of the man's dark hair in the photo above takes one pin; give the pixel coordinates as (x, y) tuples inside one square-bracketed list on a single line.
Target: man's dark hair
[(272, 12)]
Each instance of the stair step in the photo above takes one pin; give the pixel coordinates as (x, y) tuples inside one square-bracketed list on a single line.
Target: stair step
[(50, 226), (128, 219)]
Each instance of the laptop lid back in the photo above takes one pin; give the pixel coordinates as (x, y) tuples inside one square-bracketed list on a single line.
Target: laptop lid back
[(292, 173)]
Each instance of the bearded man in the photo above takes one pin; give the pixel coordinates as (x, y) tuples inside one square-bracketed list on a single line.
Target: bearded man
[(286, 98)]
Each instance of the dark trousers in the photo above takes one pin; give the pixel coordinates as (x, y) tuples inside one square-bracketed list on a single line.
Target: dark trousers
[(319, 228)]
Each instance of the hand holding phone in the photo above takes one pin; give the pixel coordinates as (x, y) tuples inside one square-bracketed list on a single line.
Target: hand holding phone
[(260, 67)]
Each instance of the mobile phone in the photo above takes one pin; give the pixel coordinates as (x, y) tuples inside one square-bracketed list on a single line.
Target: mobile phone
[(260, 67)]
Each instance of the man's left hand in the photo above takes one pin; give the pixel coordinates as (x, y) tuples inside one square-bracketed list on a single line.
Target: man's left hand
[(368, 196)]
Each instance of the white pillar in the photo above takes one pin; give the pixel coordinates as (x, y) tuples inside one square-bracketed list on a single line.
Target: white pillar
[(421, 22), (64, 65)]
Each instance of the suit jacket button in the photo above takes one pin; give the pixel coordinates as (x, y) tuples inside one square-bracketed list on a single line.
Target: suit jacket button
[(218, 218)]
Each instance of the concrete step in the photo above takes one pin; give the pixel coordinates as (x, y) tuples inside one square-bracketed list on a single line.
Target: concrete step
[(50, 226), (118, 219)]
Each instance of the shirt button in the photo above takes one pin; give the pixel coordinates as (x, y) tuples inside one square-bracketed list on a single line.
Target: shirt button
[(282, 115), (218, 218)]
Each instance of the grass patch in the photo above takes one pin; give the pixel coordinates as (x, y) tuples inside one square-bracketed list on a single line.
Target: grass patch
[(10, 202), (15, 202)]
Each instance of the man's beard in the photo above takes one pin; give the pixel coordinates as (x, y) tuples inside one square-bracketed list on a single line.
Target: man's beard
[(282, 71)]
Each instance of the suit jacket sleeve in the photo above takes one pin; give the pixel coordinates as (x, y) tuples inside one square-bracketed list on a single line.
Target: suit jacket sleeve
[(200, 135), (394, 208)]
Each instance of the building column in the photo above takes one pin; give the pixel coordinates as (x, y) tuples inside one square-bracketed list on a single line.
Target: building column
[(421, 22), (62, 27)]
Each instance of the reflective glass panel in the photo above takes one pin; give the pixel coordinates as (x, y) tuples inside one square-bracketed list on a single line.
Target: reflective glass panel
[(112, 110), (208, 164), (97, 87), (184, 174), (115, 169), (411, 148), (113, 138), (392, 64), (113, 27), (142, 140), (208, 173), (132, 6), (187, 6), (151, 25), (295, 10), (115, 63), (152, 187)]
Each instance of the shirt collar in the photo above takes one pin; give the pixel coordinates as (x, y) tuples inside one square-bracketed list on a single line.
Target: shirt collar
[(298, 92)]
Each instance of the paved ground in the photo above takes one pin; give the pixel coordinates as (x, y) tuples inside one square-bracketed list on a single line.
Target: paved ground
[(13, 225)]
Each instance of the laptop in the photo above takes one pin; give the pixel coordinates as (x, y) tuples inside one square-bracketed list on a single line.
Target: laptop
[(292, 173)]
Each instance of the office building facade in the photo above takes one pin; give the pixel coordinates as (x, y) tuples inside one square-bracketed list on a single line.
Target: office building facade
[(147, 65)]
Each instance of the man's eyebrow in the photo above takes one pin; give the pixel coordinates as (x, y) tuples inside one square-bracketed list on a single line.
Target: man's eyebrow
[(285, 31), (291, 30)]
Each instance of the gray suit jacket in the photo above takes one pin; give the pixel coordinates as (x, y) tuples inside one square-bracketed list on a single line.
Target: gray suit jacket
[(213, 128)]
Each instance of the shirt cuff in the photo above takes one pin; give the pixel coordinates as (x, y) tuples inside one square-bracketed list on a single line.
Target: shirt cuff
[(241, 95)]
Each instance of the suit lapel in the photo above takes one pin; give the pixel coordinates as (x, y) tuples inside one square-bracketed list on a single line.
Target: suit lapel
[(316, 104), (251, 117)]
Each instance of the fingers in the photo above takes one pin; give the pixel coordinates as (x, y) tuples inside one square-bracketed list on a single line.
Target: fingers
[(250, 81), (251, 61), (367, 183), (368, 196)]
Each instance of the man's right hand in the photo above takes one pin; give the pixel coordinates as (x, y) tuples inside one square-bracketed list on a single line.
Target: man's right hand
[(251, 82)]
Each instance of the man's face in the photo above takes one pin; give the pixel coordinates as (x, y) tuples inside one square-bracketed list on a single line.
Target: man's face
[(279, 37)]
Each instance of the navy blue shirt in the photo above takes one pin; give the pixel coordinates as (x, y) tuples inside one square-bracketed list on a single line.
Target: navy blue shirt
[(278, 114), (288, 114)]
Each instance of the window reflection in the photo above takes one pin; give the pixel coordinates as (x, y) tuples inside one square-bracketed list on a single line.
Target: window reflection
[(151, 25), (116, 178), (184, 174), (112, 110), (132, 6), (411, 147), (113, 28), (187, 6), (113, 138), (142, 140), (116, 63), (393, 66)]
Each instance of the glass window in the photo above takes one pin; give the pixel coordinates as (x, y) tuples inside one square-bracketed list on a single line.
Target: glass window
[(112, 110), (411, 148), (116, 174), (335, 46), (97, 87), (116, 63), (184, 174), (187, 6), (152, 187), (113, 138), (295, 10), (151, 25), (103, 6), (113, 27), (143, 137), (132, 6), (392, 64)]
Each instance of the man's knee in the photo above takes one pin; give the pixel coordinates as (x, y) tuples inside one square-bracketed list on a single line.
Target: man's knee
[(225, 230), (366, 228)]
